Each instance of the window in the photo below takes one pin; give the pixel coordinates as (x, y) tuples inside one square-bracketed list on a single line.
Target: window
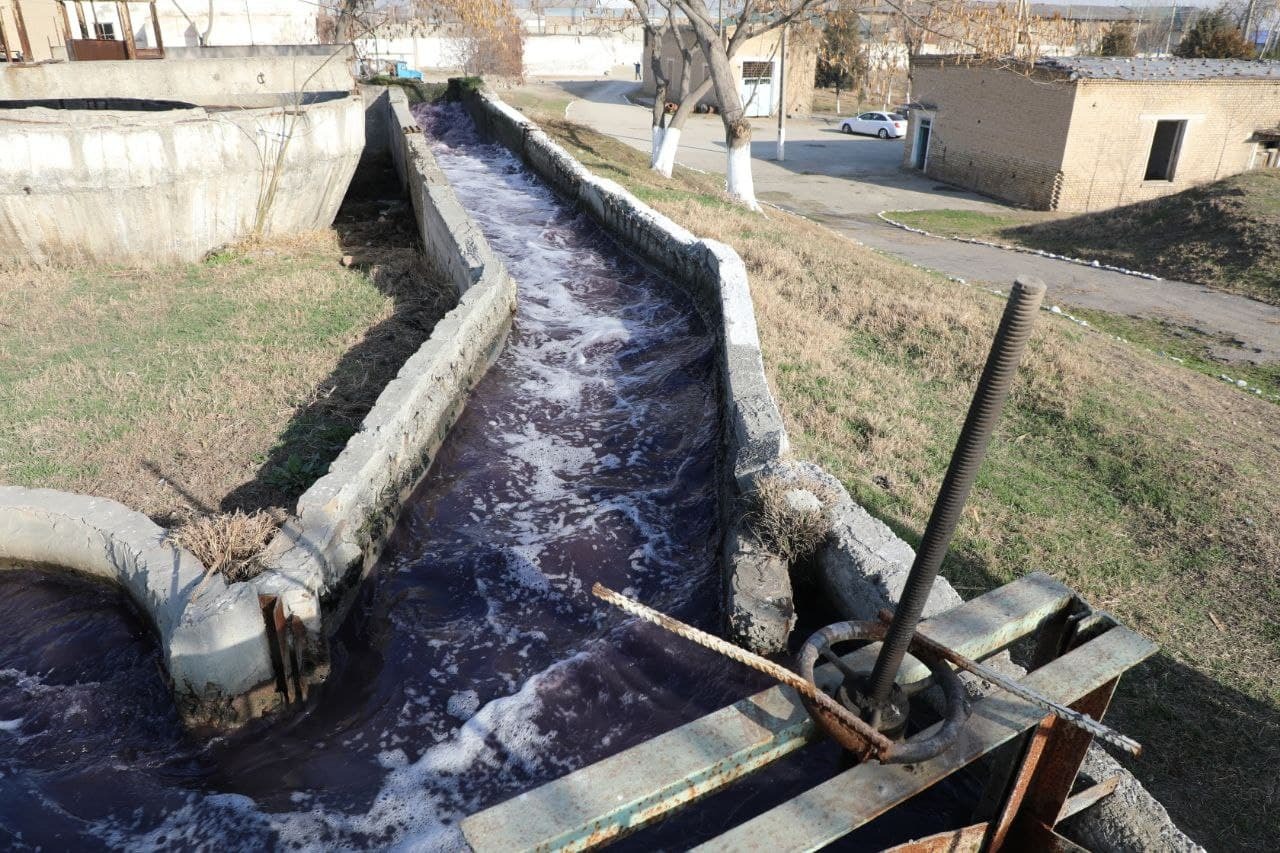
[(757, 70), (104, 31), (1165, 147), (867, 117)]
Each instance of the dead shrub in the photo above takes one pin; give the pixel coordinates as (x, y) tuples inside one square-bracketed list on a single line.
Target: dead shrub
[(228, 543), (777, 514)]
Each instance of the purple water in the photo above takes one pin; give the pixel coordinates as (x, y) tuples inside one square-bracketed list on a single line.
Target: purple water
[(474, 664)]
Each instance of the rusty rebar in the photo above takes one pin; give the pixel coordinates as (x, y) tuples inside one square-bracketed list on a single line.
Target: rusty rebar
[(988, 402), (797, 682), (1067, 714)]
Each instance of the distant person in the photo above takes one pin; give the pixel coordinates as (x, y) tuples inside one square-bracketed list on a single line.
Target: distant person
[(637, 70)]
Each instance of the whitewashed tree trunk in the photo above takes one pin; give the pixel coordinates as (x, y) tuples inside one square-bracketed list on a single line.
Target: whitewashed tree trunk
[(655, 146), (738, 180), (737, 128), (666, 159)]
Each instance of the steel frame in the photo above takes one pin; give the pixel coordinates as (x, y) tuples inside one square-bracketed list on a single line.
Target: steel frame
[(1081, 655)]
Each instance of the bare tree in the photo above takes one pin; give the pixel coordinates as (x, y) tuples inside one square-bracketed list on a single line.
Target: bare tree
[(656, 22), (842, 57), (755, 17), (687, 100)]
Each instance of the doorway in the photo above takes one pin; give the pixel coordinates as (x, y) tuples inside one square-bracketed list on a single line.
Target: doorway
[(920, 147)]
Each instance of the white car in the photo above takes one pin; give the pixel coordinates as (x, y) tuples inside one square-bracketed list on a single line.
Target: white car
[(883, 125)]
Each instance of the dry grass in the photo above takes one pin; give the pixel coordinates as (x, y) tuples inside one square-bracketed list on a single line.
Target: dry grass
[(227, 543), (1148, 487), (788, 528), (185, 390), (1222, 234)]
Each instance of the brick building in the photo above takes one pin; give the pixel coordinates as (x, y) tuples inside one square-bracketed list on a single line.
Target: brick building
[(1090, 133)]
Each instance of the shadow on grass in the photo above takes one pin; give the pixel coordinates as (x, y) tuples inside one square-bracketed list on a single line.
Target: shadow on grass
[(1221, 234), (376, 228)]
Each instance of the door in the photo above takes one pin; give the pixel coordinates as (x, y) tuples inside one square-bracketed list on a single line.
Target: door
[(920, 152), (757, 88)]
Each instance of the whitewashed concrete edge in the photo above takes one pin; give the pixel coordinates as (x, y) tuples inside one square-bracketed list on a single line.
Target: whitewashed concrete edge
[(212, 636), (317, 558)]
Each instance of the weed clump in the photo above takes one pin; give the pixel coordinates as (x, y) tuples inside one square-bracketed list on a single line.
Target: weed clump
[(227, 543), (789, 516)]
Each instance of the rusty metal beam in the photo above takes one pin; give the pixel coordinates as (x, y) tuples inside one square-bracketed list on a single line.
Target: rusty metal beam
[(22, 31), (85, 32), (966, 840), (1051, 775), (155, 25), (1016, 788), (633, 788), (842, 804), (1077, 803), (126, 23)]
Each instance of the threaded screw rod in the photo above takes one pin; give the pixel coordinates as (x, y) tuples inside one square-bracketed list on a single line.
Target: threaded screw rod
[(988, 402)]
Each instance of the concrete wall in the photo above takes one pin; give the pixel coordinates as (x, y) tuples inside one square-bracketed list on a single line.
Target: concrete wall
[(342, 520), (212, 636), (217, 81), (235, 22), (1114, 121), (994, 130), (130, 186), (559, 55)]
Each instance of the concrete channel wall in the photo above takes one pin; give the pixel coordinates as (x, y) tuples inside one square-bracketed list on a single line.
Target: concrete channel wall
[(212, 636), (219, 80), (137, 186), (237, 651), (317, 559)]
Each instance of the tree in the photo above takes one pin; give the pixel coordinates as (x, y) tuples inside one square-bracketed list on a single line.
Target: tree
[(687, 100), (656, 28), (842, 62), (1214, 36), (1118, 41), (754, 17)]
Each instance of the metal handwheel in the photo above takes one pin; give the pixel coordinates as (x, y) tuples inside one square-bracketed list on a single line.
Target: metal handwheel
[(864, 743)]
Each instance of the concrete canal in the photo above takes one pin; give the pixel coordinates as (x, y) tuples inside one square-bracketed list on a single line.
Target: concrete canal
[(475, 665)]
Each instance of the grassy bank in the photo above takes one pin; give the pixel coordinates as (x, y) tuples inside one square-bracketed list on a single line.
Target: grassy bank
[(1225, 234), (188, 389), (1146, 486)]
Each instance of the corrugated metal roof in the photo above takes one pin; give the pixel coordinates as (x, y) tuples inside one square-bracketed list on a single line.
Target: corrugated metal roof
[(1141, 68)]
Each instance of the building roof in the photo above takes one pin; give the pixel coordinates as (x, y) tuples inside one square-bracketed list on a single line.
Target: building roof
[(1143, 68)]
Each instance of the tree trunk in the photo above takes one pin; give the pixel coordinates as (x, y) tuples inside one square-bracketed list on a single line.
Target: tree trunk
[(666, 159), (658, 131), (738, 181), (837, 100), (737, 129)]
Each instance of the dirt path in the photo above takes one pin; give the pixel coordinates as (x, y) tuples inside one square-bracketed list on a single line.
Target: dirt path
[(843, 181)]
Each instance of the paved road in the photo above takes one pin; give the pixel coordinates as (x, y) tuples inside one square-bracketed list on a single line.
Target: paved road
[(843, 181)]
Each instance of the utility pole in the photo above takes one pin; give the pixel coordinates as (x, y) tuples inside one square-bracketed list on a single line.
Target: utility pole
[(782, 97)]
